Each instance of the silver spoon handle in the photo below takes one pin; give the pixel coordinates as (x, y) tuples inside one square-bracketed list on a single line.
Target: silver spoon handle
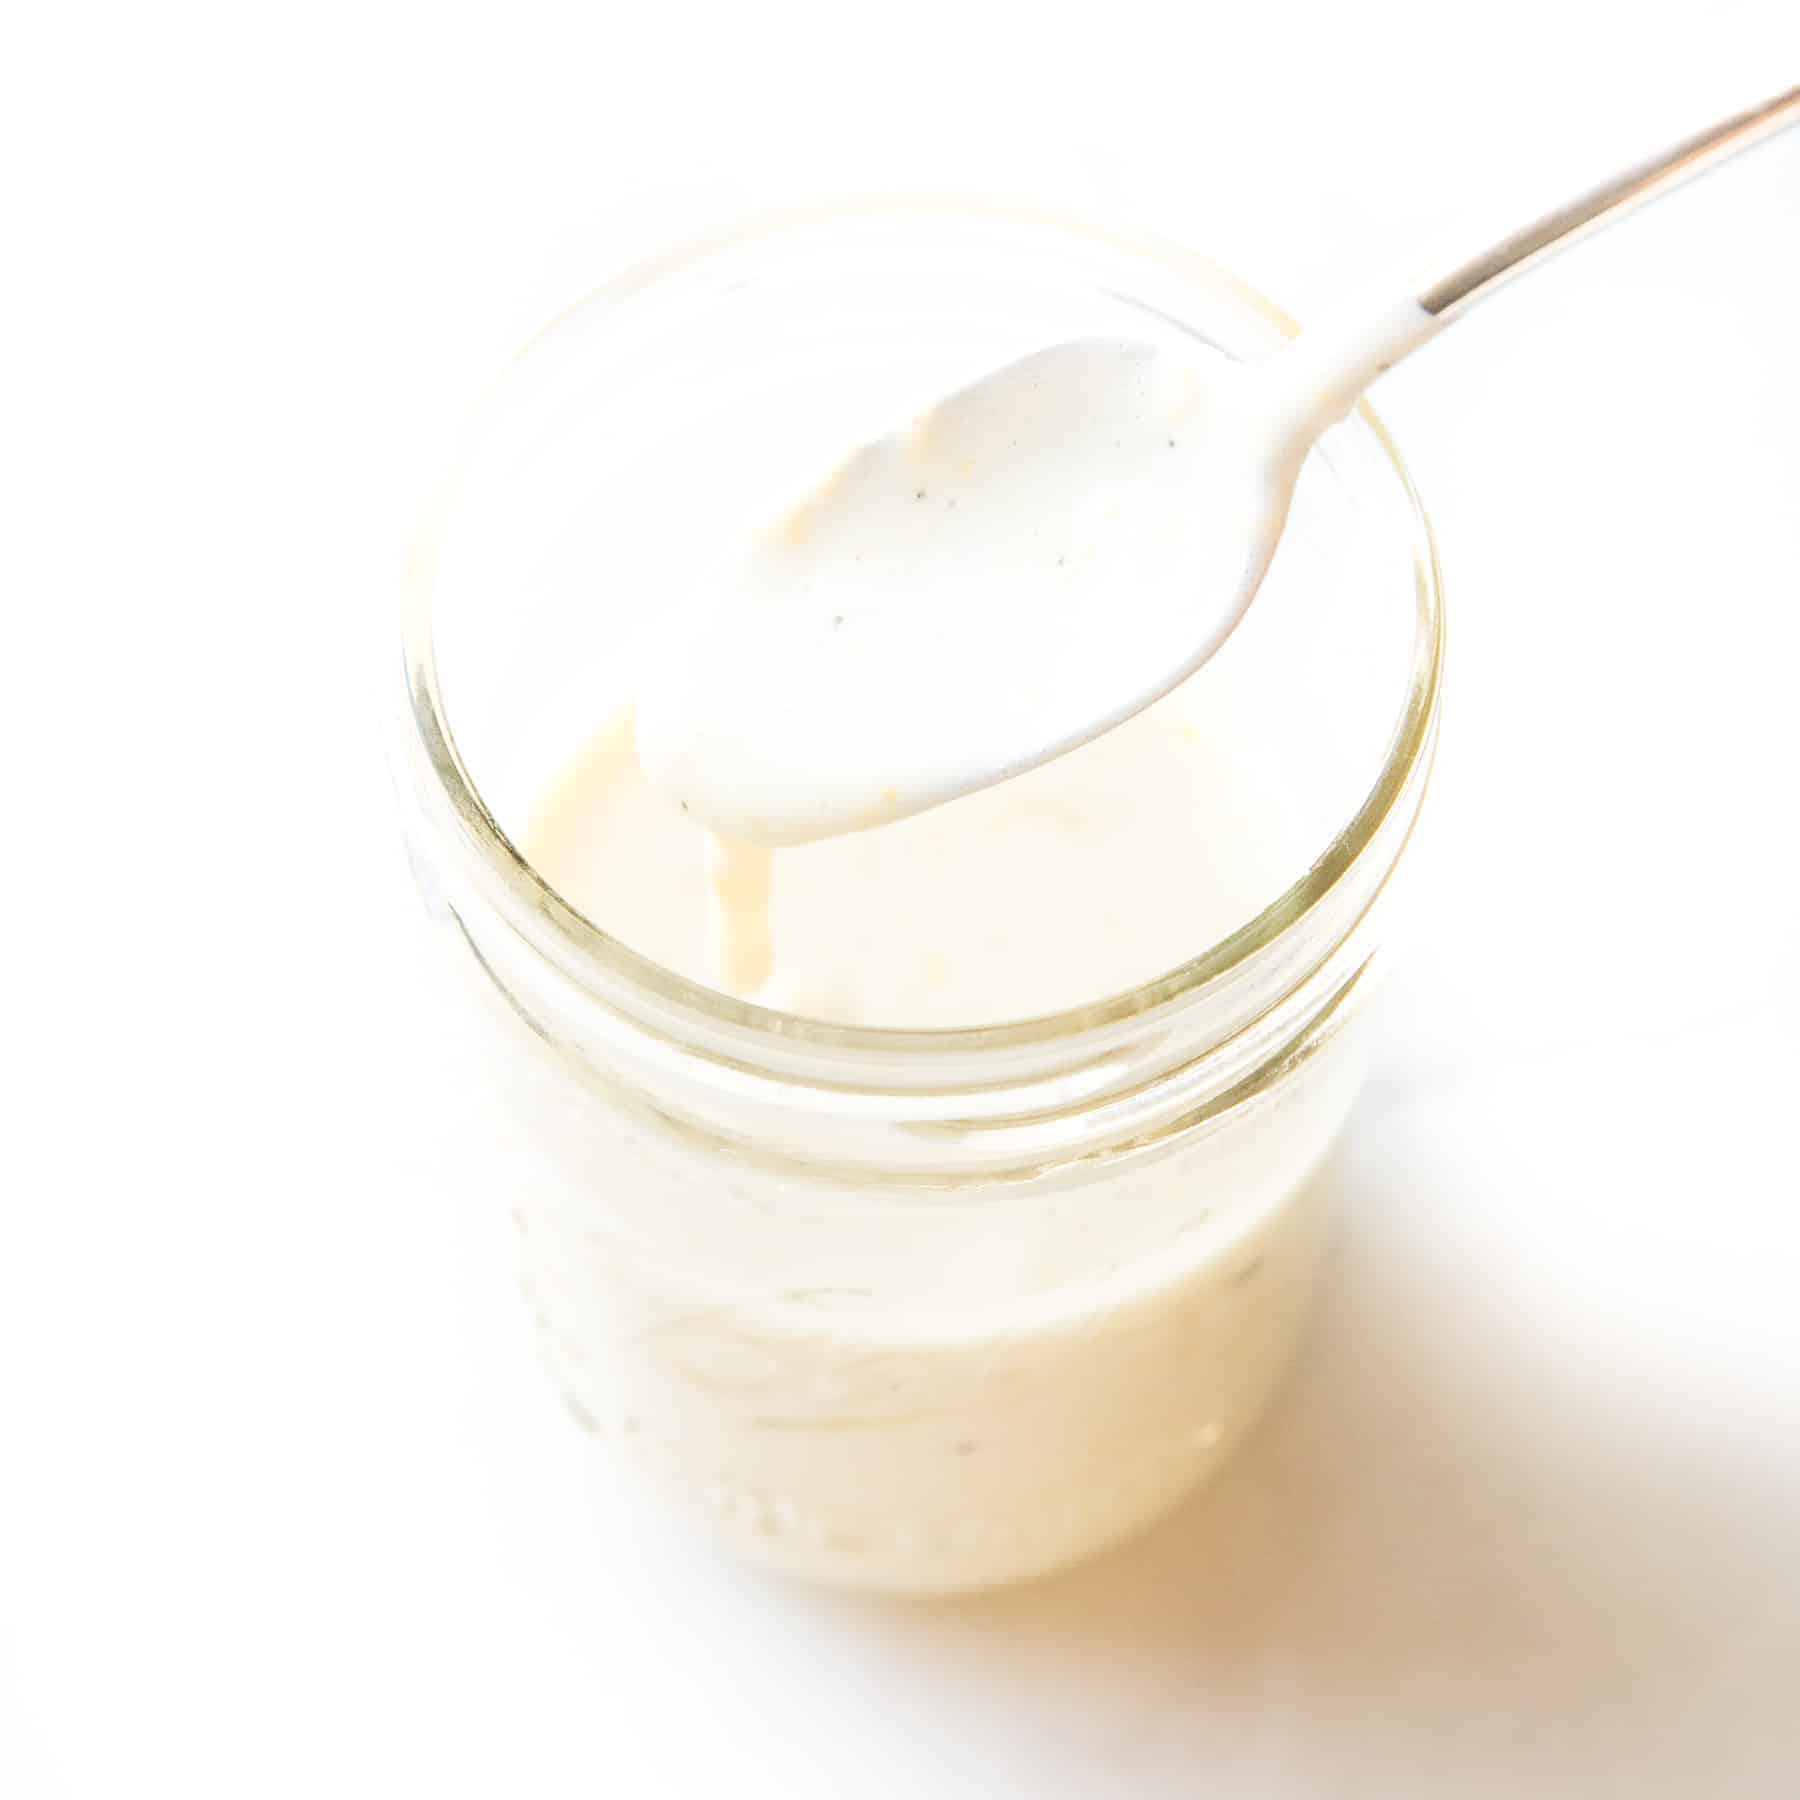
[(1318, 377), (1492, 268)]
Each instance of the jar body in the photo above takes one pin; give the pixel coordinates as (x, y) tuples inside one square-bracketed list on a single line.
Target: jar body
[(871, 1384), (923, 1311)]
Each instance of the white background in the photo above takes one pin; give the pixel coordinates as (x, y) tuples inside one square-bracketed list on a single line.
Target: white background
[(285, 1507)]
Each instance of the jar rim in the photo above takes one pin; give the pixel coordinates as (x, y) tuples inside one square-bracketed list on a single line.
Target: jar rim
[(576, 944)]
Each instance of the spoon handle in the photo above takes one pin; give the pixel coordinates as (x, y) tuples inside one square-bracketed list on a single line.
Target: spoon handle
[(1481, 274), (1320, 375)]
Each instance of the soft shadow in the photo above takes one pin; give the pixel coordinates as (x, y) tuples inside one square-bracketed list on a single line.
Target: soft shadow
[(1453, 1539)]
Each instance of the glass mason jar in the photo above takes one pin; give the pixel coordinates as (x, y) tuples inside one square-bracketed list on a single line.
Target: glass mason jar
[(919, 1310)]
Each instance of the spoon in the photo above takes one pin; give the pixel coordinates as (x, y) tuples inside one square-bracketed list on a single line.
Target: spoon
[(1037, 556)]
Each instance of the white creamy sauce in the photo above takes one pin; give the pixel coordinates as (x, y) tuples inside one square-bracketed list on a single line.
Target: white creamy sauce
[(740, 947), (1012, 571)]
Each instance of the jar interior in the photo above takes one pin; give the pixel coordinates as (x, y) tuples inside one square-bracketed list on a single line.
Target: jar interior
[(654, 418)]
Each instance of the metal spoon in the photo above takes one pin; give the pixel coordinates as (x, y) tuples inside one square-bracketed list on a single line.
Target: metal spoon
[(1038, 556)]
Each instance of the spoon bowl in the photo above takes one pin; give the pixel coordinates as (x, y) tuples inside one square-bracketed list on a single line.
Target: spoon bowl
[(1007, 575)]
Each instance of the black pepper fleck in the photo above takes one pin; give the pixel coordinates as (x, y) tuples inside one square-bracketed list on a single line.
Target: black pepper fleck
[(920, 495)]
